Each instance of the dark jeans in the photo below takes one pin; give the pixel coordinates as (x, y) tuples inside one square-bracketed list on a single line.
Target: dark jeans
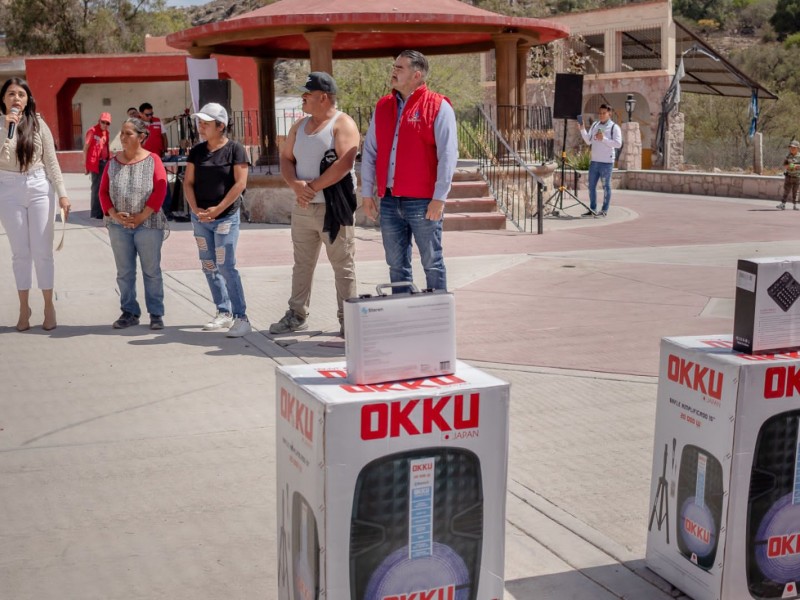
[(404, 218), (598, 171), (96, 212)]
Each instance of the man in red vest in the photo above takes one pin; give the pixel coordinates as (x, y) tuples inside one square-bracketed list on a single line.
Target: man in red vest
[(95, 155), (409, 156), (156, 141)]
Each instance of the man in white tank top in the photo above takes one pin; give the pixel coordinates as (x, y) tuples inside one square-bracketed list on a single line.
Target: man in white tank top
[(301, 155)]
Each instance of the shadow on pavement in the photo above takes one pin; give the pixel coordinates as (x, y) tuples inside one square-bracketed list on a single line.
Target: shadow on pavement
[(608, 582), (140, 335)]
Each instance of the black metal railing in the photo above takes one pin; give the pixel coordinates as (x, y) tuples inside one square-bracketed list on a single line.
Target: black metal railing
[(519, 191), (528, 129)]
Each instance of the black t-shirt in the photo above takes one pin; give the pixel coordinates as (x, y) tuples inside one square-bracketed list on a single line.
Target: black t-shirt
[(213, 173)]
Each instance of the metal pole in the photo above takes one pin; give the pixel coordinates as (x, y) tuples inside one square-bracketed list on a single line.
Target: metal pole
[(539, 208)]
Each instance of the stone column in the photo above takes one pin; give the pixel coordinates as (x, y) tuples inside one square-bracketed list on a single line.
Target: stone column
[(630, 158), (320, 47), (673, 144), (268, 144), (523, 54), (506, 81), (758, 153)]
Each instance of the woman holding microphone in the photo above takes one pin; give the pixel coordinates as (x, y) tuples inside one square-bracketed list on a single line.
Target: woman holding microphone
[(29, 171)]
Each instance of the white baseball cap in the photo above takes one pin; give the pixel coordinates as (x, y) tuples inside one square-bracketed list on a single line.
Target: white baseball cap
[(213, 112)]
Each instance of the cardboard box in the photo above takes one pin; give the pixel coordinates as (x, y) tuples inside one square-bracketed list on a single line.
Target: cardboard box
[(391, 490), (767, 314), (401, 336), (724, 516)]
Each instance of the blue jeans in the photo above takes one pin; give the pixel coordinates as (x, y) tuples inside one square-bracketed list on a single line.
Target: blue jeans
[(216, 243), (600, 170), (126, 245), (400, 219)]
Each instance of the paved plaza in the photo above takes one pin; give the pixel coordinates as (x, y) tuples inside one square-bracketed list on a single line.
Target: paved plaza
[(140, 464)]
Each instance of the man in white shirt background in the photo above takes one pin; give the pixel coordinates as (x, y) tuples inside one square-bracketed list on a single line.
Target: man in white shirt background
[(605, 137)]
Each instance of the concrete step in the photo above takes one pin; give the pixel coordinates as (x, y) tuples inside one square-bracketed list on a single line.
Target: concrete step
[(469, 189), (474, 221), (467, 174), (470, 205)]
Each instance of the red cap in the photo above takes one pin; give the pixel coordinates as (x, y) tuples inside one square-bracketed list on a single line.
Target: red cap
[(105, 117)]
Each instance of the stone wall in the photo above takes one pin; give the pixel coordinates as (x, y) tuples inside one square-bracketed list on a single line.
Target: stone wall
[(269, 200), (728, 185)]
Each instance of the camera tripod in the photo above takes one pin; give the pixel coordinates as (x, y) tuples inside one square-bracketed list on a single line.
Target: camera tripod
[(557, 199), (660, 511)]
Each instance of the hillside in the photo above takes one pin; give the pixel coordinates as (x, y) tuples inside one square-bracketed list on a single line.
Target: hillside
[(219, 10)]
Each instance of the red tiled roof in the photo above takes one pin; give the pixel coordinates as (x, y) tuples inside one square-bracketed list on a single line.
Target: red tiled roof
[(363, 28)]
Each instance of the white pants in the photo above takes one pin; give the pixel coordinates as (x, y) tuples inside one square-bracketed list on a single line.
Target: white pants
[(27, 213)]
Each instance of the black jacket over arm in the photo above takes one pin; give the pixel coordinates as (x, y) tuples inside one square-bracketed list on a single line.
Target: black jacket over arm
[(340, 199)]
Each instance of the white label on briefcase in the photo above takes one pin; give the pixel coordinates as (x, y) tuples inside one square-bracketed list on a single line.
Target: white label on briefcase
[(403, 336)]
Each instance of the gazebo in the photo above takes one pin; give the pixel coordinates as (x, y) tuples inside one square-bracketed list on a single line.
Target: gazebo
[(326, 29)]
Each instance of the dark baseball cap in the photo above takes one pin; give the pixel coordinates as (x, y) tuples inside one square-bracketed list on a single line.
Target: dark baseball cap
[(319, 81)]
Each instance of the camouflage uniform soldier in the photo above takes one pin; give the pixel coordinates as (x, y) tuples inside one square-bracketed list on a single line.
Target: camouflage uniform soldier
[(791, 175)]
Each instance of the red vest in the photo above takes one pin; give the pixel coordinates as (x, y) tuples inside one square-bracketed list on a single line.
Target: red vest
[(98, 148), (154, 142), (415, 160)]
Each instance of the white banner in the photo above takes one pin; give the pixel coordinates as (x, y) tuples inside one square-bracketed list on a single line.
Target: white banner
[(200, 68)]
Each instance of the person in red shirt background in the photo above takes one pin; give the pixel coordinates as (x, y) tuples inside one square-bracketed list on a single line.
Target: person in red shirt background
[(95, 156), (156, 141)]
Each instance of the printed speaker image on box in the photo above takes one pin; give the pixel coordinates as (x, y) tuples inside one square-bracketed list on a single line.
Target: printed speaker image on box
[(417, 526), (305, 542), (392, 491), (773, 519), (767, 314), (730, 421), (700, 497)]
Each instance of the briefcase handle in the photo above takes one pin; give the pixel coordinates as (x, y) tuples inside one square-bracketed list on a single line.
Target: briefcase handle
[(379, 288)]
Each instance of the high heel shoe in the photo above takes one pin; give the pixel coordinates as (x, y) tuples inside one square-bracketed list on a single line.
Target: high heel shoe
[(26, 324), (49, 324)]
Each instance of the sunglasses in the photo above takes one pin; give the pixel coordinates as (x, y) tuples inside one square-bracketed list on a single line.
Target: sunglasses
[(148, 114), (105, 122)]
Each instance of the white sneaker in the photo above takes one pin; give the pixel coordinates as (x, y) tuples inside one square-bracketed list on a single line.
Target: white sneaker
[(240, 327), (221, 321), (781, 206)]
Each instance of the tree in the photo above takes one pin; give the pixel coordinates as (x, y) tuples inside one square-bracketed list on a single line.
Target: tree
[(717, 10), (44, 27), (786, 19), (81, 26), (772, 65), (362, 82)]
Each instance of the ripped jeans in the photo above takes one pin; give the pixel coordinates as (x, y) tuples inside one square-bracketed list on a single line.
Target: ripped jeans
[(216, 243)]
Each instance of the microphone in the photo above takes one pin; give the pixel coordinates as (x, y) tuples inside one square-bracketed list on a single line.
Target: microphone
[(12, 126)]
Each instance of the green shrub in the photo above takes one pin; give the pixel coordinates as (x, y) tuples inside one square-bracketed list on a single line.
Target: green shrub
[(792, 41), (580, 160)]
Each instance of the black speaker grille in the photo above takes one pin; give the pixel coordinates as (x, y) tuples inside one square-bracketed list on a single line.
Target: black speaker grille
[(380, 518), (771, 479), (713, 498)]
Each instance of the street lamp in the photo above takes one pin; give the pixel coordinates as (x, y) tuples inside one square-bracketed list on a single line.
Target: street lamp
[(630, 104)]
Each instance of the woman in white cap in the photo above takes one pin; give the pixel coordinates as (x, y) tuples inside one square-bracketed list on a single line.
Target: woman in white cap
[(29, 172), (215, 179)]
